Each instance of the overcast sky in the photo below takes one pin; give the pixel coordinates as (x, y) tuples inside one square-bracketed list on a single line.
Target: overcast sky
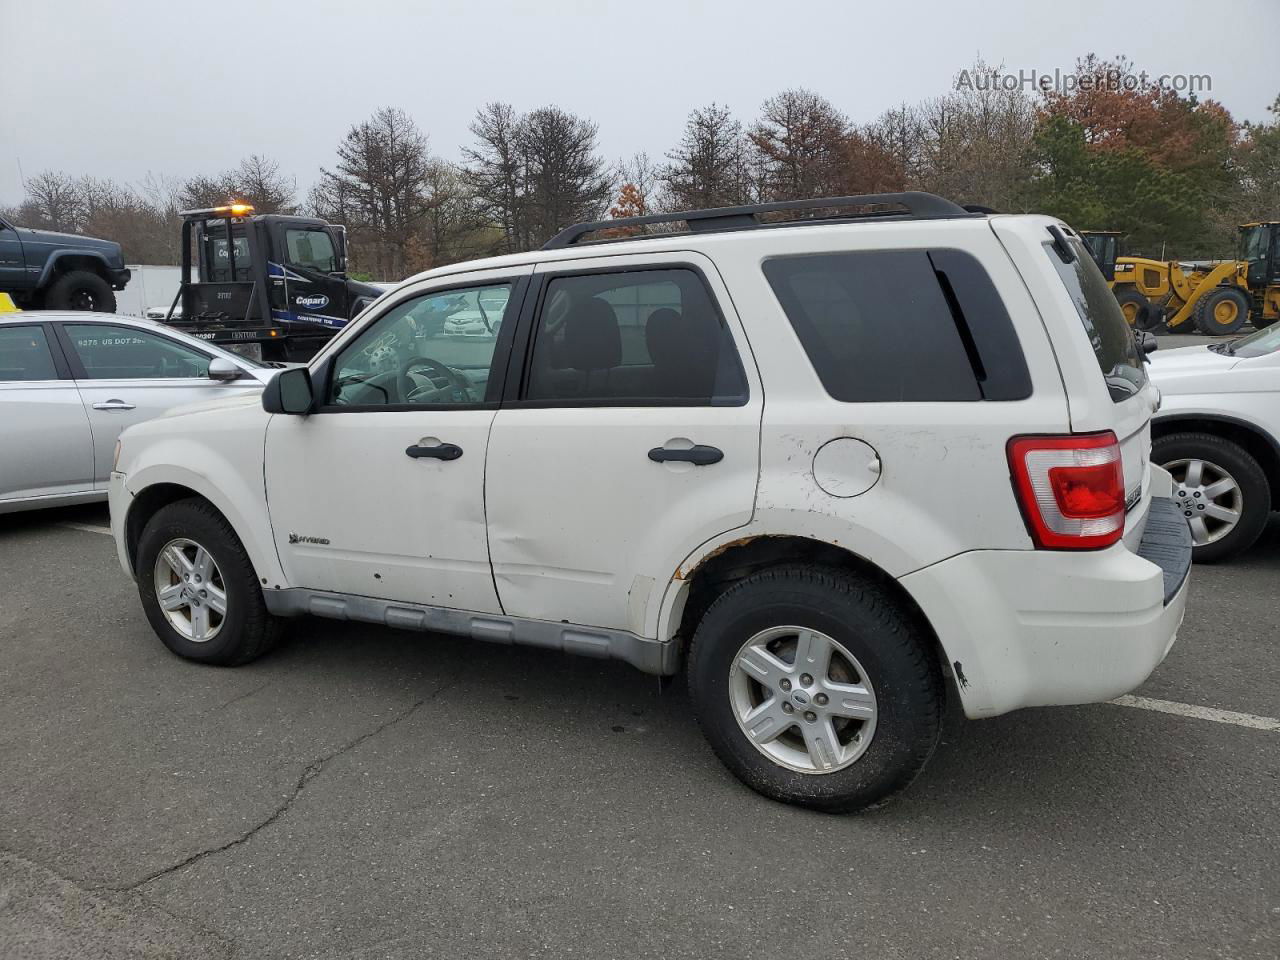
[(120, 89)]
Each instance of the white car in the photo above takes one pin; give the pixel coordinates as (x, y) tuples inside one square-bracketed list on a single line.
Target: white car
[(1218, 434), (70, 382), (833, 471)]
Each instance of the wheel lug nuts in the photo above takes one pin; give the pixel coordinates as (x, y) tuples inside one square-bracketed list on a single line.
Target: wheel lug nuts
[(785, 684), (204, 593), (787, 708), (820, 699), (806, 679), (810, 716)]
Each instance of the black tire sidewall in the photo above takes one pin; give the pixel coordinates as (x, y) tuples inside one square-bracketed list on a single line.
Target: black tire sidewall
[(188, 520), (1204, 311), (907, 722), (65, 287), (1238, 462), (1133, 296)]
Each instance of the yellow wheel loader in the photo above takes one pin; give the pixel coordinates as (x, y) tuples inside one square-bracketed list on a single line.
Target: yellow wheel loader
[(1260, 255), (1213, 298)]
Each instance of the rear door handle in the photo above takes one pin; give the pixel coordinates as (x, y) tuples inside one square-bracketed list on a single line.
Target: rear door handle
[(700, 455), (113, 405), (441, 451)]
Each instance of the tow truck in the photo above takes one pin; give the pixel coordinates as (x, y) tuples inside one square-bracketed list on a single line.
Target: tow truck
[(269, 286)]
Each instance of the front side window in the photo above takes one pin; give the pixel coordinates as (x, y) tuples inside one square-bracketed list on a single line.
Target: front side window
[(876, 325), (24, 354), (433, 350), (123, 353), (1109, 333), (645, 337), (312, 249)]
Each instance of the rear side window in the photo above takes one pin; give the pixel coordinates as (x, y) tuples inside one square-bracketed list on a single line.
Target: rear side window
[(877, 326), (1109, 333), (24, 354), (637, 338)]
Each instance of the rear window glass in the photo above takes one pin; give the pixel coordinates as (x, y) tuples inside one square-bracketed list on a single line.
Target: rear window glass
[(876, 325), (24, 354), (1109, 333)]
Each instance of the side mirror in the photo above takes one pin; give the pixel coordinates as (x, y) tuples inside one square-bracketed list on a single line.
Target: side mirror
[(224, 370), (340, 235), (289, 391)]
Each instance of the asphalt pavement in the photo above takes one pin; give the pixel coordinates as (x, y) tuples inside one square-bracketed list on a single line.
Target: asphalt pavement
[(373, 794)]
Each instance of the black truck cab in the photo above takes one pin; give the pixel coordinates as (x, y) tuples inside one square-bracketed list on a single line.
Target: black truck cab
[(272, 286)]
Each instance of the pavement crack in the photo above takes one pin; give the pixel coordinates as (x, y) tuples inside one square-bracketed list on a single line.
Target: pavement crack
[(243, 696), (310, 773)]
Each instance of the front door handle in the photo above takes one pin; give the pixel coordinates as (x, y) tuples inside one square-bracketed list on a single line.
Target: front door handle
[(699, 454), (113, 405), (441, 451)]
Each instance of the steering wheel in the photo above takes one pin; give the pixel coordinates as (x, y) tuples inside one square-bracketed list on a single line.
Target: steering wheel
[(441, 378)]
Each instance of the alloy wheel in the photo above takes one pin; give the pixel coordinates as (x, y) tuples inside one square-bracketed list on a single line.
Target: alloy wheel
[(802, 699), (1208, 496), (190, 590)]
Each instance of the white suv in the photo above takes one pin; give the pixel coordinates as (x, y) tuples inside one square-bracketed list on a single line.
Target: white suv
[(833, 470)]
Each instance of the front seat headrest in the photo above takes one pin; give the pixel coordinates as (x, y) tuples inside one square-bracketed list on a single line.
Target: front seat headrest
[(592, 340)]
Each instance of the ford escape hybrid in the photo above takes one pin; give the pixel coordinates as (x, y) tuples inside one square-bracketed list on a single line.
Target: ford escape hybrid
[(833, 469)]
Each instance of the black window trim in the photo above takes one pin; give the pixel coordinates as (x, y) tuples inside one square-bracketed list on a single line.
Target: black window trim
[(499, 367), (77, 368), (60, 366), (521, 363)]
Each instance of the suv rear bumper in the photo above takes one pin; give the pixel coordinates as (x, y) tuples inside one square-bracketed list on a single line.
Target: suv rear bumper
[(1025, 628)]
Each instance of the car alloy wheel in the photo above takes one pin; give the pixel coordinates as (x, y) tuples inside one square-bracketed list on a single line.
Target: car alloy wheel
[(802, 699), (190, 590), (1208, 496)]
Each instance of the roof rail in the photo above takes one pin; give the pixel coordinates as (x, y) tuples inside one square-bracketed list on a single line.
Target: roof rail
[(919, 206)]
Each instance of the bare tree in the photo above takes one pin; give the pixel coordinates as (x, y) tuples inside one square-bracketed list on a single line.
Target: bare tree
[(495, 171), (378, 187), (54, 202), (800, 143), (709, 167), (256, 181), (535, 174)]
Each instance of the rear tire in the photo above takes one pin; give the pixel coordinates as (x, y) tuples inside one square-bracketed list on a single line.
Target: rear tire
[(189, 563), (1223, 310), (1214, 538), (1131, 302), (81, 290), (850, 748)]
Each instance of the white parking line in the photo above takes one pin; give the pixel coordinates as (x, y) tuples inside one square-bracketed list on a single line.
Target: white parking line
[(86, 527), (1200, 713)]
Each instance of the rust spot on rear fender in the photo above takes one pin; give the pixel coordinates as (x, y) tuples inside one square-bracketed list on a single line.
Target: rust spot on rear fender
[(683, 574)]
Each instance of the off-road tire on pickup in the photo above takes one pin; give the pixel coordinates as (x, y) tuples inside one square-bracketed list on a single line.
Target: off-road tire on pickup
[(1222, 310), (81, 290), (1131, 304), (1224, 456), (890, 648), (247, 630)]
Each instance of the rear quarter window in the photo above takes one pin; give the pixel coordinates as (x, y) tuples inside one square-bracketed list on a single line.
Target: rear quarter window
[(901, 325), (1110, 335)]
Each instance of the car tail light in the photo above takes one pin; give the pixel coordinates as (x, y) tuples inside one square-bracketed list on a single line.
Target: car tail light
[(1071, 489)]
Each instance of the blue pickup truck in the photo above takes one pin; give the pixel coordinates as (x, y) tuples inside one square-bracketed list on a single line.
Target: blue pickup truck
[(60, 271)]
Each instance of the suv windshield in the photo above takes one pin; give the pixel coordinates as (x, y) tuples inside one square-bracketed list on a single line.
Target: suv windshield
[(1109, 333)]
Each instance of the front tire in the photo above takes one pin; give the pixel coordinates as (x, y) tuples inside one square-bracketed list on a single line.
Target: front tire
[(81, 290), (199, 589), (815, 687), (1221, 490)]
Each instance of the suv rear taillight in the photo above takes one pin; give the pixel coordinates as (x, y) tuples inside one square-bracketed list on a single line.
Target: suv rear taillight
[(1071, 489)]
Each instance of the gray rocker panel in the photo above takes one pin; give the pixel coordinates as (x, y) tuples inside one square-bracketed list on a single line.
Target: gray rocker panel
[(649, 656)]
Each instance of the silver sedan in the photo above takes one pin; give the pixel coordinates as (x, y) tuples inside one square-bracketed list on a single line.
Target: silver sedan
[(70, 382)]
